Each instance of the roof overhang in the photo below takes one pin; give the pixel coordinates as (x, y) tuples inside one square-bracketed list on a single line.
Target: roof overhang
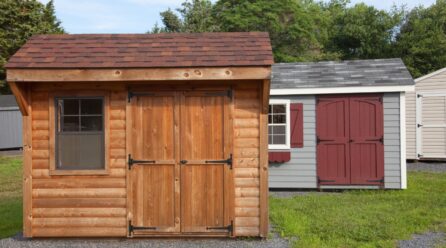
[(138, 74), (341, 90), (430, 75)]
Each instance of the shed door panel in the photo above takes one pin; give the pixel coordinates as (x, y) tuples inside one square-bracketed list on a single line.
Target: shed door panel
[(433, 129), (333, 151), (202, 184), (366, 140), (350, 133), (153, 185)]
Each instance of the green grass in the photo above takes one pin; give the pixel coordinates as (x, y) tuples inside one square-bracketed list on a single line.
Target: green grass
[(10, 196), (363, 218)]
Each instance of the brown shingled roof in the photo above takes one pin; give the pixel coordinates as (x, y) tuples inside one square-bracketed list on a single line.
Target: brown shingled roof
[(144, 50)]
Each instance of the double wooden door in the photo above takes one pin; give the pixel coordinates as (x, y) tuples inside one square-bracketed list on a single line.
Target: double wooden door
[(350, 149), (180, 163)]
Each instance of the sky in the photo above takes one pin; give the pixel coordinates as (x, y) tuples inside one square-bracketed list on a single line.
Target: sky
[(139, 16)]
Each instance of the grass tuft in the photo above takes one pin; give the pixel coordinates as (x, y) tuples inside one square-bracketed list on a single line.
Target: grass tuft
[(10, 196)]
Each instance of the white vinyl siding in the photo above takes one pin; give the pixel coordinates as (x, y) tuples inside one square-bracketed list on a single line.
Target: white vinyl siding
[(434, 83)]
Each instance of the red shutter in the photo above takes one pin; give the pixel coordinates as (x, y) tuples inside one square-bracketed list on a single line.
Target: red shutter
[(297, 125)]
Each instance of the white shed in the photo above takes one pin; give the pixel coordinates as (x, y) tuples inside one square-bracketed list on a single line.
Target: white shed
[(426, 117), (10, 123)]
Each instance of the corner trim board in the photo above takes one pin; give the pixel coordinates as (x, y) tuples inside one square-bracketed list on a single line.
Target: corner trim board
[(263, 158), (27, 169), (403, 140)]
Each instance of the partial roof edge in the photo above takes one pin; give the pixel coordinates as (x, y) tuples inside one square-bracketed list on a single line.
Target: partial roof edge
[(430, 74), (341, 90)]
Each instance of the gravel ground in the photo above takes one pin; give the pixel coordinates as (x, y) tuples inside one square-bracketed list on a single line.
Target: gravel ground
[(292, 192), (426, 240), (11, 152), (439, 167), (19, 242)]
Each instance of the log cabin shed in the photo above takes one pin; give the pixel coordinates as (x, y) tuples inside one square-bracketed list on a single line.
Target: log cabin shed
[(338, 124), (144, 135), (426, 117)]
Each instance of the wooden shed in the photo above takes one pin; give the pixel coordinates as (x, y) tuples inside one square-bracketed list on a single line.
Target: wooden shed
[(144, 135), (426, 118), (338, 124)]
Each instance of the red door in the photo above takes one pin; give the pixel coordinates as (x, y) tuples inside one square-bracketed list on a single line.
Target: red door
[(350, 148), (333, 151), (366, 135)]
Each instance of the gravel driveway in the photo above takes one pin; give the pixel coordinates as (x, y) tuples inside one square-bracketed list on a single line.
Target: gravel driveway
[(439, 167), (426, 240), (19, 242)]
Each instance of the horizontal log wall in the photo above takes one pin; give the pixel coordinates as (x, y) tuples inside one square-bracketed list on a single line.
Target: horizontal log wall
[(89, 205), (78, 206)]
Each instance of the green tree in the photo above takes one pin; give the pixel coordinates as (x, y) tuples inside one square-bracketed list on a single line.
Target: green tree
[(422, 39), (171, 21), (19, 20), (297, 28), (193, 17), (361, 31), (197, 16)]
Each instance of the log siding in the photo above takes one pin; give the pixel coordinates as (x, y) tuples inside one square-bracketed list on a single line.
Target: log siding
[(96, 205)]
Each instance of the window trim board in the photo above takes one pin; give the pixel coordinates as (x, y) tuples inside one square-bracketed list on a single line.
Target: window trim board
[(52, 131), (287, 146)]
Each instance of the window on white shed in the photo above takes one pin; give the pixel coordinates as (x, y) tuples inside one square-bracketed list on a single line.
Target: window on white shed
[(279, 124)]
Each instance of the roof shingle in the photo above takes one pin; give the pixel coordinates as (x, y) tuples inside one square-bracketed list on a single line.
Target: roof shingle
[(144, 50), (371, 72)]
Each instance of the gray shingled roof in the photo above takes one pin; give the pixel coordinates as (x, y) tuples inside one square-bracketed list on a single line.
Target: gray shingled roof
[(7, 101), (373, 72)]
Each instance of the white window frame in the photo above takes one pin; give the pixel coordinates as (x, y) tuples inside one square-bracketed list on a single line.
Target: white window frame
[(286, 102)]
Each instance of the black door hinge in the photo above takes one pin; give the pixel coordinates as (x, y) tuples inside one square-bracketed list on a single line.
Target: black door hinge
[(318, 140), (132, 161), (419, 155), (133, 228), (132, 94), (229, 228), (381, 140), (419, 125), (377, 181), (225, 161), (319, 180), (419, 95)]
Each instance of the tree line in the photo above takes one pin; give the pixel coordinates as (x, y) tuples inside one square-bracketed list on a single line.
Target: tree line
[(19, 20), (311, 30), (300, 30)]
